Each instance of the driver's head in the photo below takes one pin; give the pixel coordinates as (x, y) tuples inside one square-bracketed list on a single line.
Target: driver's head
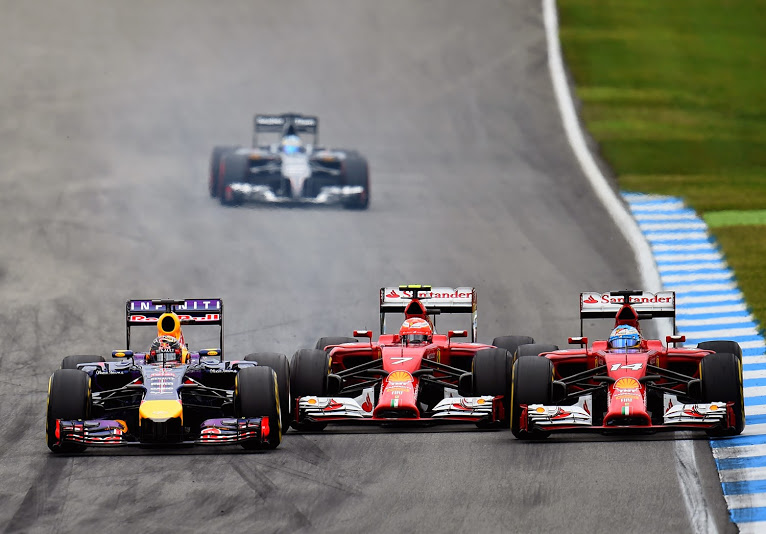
[(165, 349), (291, 144), (624, 338), (415, 331)]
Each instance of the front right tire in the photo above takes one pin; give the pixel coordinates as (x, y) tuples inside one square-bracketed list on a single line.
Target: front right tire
[(257, 395), (309, 369), (721, 377), (532, 384), (68, 399)]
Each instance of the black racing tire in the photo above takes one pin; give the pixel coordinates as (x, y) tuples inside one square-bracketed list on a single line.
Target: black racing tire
[(356, 171), (732, 347), (68, 399), (532, 383), (492, 376), (70, 362), (234, 168), (309, 369), (257, 395), (534, 349), (325, 342), (279, 363), (721, 377), (215, 168), (511, 343)]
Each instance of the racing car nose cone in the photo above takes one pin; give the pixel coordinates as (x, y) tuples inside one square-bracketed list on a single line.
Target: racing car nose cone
[(160, 410)]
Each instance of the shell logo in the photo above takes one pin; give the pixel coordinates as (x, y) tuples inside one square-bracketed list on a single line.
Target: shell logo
[(627, 382), (400, 376)]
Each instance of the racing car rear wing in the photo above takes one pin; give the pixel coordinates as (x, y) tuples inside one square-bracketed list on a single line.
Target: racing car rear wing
[(146, 312), (285, 124), (595, 305), (436, 300)]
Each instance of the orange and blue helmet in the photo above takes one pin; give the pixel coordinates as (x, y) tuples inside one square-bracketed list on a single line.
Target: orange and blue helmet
[(625, 337)]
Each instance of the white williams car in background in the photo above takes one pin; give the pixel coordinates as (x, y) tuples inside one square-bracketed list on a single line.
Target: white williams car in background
[(294, 169)]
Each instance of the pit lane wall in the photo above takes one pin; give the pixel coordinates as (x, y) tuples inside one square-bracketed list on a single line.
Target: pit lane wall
[(709, 307)]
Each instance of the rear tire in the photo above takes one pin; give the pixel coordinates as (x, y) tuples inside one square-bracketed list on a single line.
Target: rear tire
[(234, 168), (325, 342), (310, 368), (721, 376), (279, 363), (68, 399), (70, 362), (532, 381), (356, 172), (215, 168), (731, 347), (258, 396), (492, 376), (511, 343)]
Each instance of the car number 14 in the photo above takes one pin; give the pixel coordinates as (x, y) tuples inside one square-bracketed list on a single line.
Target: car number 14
[(632, 366)]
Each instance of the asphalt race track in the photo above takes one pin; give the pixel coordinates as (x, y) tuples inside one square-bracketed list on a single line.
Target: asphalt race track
[(109, 111)]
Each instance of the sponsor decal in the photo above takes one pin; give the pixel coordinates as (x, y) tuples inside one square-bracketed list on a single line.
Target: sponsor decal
[(626, 410), (206, 318), (454, 294), (188, 305), (646, 298), (400, 377), (627, 383), (270, 121), (367, 404), (398, 360)]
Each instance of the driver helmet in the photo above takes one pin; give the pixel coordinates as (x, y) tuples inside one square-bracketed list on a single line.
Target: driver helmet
[(165, 349), (625, 337), (291, 144), (415, 330)]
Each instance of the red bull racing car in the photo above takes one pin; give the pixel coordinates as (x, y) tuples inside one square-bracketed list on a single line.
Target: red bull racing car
[(167, 394), (414, 376), (628, 383)]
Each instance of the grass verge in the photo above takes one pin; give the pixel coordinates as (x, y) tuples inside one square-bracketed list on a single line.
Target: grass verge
[(674, 94)]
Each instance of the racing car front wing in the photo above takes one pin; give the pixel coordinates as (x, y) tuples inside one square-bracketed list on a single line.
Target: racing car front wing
[(332, 194), (450, 409), (112, 433), (579, 416)]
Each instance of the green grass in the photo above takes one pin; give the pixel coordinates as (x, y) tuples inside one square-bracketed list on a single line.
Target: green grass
[(674, 92), (745, 249), (719, 219)]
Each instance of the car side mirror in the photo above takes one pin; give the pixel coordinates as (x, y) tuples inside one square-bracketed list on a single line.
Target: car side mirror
[(364, 333), (457, 333), (675, 340), (122, 354), (578, 341)]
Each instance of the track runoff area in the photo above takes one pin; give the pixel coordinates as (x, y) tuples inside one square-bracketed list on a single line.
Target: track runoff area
[(710, 306)]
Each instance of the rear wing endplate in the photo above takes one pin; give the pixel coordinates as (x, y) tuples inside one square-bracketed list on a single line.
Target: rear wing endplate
[(146, 312), (436, 300), (595, 305)]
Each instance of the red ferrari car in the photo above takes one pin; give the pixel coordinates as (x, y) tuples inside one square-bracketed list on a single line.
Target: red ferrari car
[(415, 375), (629, 383)]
